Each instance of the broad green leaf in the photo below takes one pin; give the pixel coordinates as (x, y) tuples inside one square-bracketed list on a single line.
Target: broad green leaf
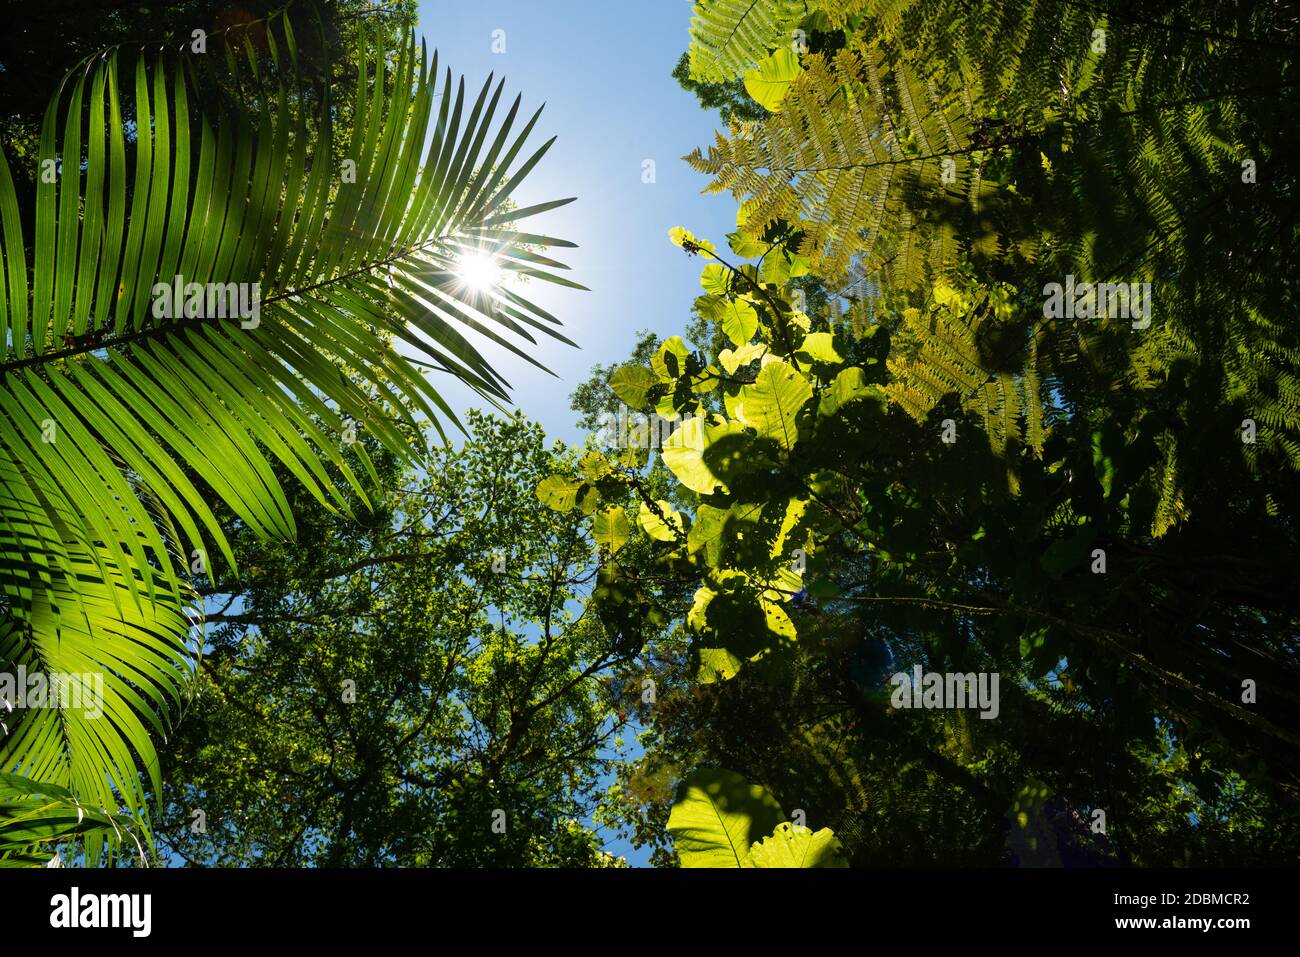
[(683, 237), (733, 359), (796, 846), (558, 492), (739, 321), (669, 360), (1103, 444), (697, 617), (744, 245), (781, 586), (769, 81), (1040, 647), (683, 453), (609, 527), (594, 466), (820, 346), (716, 664), (706, 380), (734, 404), (744, 211), (716, 279), (632, 384), (709, 306), (706, 533), (795, 510), (775, 270), (666, 407), (718, 816), (850, 385), (778, 621), (665, 529), (772, 402)]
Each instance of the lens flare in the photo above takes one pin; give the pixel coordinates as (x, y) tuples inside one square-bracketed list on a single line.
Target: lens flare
[(479, 271)]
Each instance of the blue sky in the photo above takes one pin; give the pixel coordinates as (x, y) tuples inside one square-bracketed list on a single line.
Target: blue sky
[(603, 71)]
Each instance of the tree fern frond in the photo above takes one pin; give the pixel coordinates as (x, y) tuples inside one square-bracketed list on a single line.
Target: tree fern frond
[(729, 36), (840, 164), (945, 351)]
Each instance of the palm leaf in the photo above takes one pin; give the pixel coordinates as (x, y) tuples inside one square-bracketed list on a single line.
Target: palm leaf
[(123, 670), (120, 427), (37, 820)]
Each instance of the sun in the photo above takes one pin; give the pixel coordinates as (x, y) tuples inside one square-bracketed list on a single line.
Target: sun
[(479, 271)]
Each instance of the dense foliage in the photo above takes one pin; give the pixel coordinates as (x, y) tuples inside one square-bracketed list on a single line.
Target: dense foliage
[(893, 449), (376, 692)]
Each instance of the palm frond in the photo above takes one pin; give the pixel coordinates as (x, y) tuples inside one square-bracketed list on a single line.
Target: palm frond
[(123, 422), (42, 822)]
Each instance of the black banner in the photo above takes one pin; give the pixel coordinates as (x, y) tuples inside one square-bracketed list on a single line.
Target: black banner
[(137, 907)]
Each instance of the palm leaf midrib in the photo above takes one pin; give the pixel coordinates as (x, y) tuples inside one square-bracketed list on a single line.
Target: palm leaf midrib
[(42, 359)]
